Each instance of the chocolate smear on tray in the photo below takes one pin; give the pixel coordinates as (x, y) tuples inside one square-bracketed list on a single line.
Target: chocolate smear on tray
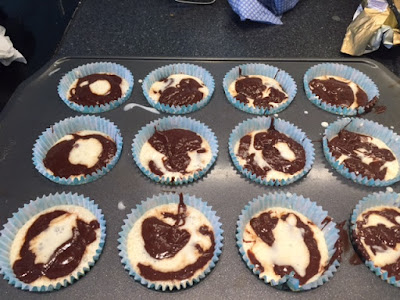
[(175, 145), (186, 92), (349, 143), (355, 260), (82, 94), (379, 238), (164, 241), (57, 158), (65, 258), (342, 244), (380, 109), (336, 92), (265, 141), (253, 88), (370, 105)]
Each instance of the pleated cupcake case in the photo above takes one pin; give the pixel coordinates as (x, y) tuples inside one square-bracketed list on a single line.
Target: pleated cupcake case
[(365, 127), (182, 68), (28, 211), (94, 68), (299, 204), (158, 200), (388, 199), (285, 80), (346, 72), (71, 125), (167, 123), (264, 123)]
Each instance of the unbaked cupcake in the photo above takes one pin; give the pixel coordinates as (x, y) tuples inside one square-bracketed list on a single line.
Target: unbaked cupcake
[(363, 151), (375, 227), (340, 89), (288, 241), (170, 241), (51, 242), (175, 150), (77, 150), (270, 151), (178, 88), (96, 87), (259, 89)]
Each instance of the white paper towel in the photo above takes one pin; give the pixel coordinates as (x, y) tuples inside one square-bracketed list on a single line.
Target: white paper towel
[(7, 52)]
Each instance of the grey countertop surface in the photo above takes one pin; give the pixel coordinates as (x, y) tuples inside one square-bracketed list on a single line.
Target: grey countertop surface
[(165, 28)]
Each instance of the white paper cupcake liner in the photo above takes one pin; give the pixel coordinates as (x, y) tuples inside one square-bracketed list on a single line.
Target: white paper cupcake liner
[(28, 211), (92, 68), (158, 200), (346, 72), (366, 127), (372, 200), (286, 81), (167, 123), (168, 70), (67, 126), (299, 204), (282, 126)]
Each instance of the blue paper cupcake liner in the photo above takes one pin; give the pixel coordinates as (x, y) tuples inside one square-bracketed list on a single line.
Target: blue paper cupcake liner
[(168, 70), (163, 199), (67, 126), (346, 72), (92, 68), (299, 204), (282, 126), (373, 200), (366, 127), (24, 214), (167, 123), (285, 80)]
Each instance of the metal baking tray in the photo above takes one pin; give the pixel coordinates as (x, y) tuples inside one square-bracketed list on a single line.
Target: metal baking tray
[(36, 105)]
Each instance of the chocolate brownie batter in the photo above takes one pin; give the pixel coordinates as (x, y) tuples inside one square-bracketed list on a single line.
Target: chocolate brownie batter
[(254, 88), (255, 261), (173, 239), (82, 94), (337, 91), (265, 142), (380, 109), (263, 226), (342, 244), (163, 241), (175, 144), (186, 92), (57, 158), (350, 144), (379, 238), (65, 258)]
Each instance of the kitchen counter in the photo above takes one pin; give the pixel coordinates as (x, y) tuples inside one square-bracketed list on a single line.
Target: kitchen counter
[(165, 28)]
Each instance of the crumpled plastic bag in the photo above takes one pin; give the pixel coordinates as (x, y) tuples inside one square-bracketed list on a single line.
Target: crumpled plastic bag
[(264, 11), (8, 53)]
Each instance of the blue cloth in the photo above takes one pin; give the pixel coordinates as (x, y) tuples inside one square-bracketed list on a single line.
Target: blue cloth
[(264, 11)]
